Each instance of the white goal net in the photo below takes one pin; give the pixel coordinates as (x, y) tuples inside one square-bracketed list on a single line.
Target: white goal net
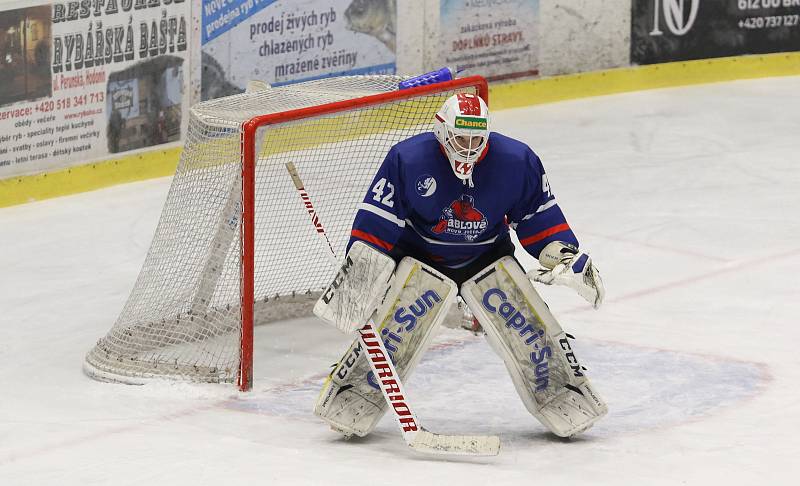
[(203, 284)]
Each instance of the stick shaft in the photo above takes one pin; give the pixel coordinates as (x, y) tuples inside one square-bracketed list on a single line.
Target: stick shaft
[(312, 212), (391, 386)]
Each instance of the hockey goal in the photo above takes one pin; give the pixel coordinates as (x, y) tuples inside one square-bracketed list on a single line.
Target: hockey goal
[(235, 246)]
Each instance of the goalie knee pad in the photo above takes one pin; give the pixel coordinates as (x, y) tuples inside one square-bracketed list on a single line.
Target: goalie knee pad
[(534, 348), (417, 301)]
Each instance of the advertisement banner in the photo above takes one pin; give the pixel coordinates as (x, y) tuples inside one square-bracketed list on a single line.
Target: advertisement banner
[(86, 80), (493, 38), (680, 30), (283, 41)]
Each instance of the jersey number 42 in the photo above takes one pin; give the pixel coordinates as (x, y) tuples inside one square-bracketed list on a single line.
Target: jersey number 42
[(379, 188)]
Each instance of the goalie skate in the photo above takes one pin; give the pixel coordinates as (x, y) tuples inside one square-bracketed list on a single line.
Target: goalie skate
[(418, 300)]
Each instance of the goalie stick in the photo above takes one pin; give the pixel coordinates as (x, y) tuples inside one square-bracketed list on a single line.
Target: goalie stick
[(415, 436)]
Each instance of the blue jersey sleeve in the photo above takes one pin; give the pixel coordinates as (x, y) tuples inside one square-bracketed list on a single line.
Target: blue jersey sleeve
[(536, 217), (380, 219)]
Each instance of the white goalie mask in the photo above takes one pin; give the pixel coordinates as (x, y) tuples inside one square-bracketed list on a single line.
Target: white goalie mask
[(462, 128)]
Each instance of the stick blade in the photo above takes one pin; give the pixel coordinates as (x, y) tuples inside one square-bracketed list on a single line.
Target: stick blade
[(466, 445)]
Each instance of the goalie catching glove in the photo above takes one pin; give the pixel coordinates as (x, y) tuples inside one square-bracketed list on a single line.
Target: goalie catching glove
[(565, 265)]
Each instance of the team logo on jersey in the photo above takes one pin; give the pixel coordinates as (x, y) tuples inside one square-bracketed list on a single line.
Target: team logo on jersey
[(426, 185), (461, 219)]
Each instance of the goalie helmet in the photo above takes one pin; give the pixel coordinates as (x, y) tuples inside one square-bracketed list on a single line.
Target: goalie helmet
[(462, 128)]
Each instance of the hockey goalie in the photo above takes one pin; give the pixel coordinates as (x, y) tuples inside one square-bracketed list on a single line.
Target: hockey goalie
[(435, 224)]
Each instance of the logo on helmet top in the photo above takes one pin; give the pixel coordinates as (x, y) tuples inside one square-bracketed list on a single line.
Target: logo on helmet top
[(426, 185), (468, 104), (461, 218), (471, 123)]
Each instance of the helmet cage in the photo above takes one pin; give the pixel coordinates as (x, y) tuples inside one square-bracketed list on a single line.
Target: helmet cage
[(466, 145), (464, 139)]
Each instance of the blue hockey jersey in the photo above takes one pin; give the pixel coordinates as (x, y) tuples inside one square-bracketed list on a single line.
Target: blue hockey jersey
[(417, 206)]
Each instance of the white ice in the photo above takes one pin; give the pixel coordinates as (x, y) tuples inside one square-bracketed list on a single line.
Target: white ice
[(687, 199)]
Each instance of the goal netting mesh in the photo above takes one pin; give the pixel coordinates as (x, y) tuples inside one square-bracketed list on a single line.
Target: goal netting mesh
[(183, 319)]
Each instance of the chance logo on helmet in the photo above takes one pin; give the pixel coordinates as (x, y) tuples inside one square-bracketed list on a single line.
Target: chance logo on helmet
[(471, 123), (462, 128)]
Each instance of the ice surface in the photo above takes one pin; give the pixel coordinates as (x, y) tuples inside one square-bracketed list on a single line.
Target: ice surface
[(687, 199)]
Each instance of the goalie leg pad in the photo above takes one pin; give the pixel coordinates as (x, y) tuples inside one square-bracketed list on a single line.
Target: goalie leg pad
[(522, 331), (416, 303)]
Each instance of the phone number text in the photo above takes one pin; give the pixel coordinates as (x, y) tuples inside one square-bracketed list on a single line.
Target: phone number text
[(69, 102), (770, 22)]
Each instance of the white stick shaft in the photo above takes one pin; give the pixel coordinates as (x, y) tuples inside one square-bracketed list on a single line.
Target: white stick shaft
[(394, 393), (390, 384), (312, 212)]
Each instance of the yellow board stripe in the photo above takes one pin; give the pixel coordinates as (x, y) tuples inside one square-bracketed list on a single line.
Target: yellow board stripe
[(160, 163), (82, 178), (598, 83)]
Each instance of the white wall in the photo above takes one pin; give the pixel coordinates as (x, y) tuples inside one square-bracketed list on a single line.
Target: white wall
[(574, 35), (584, 35)]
